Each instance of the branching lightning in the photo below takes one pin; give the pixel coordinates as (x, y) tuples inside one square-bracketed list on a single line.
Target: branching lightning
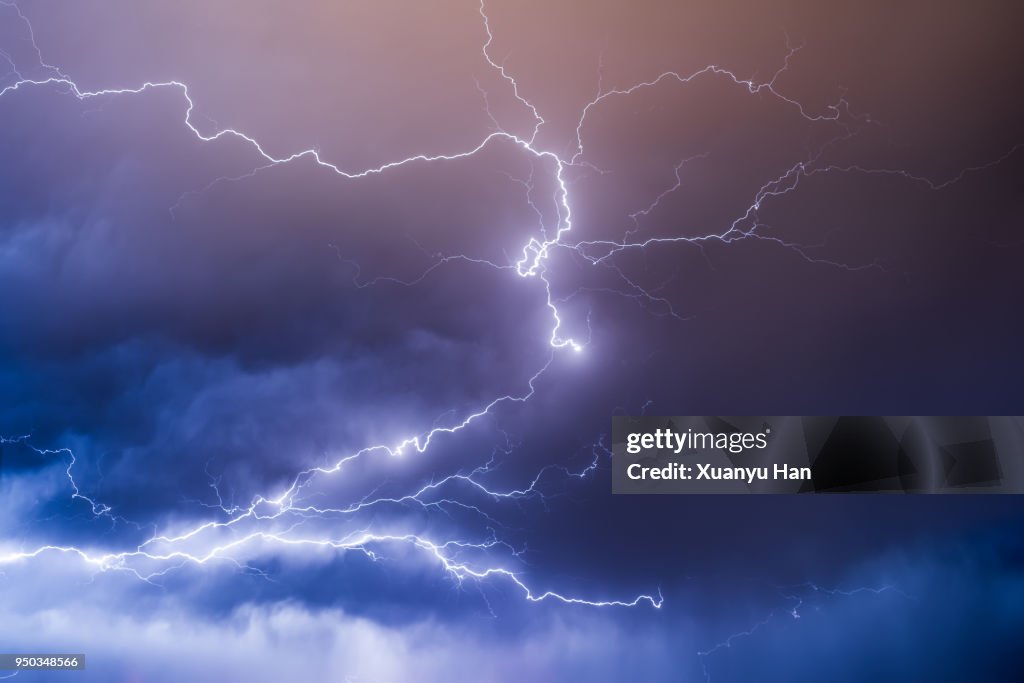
[(796, 598), (287, 519)]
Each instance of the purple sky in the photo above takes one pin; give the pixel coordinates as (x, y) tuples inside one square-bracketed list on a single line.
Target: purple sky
[(309, 348)]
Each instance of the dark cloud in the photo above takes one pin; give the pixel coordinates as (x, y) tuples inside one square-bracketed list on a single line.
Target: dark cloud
[(197, 326)]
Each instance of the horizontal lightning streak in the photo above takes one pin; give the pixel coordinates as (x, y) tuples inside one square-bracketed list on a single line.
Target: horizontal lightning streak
[(533, 263), (790, 594)]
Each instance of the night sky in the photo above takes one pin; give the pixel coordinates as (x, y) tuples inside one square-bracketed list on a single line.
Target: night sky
[(314, 316)]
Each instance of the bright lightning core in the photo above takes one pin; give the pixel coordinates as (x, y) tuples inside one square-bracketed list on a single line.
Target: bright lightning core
[(302, 516)]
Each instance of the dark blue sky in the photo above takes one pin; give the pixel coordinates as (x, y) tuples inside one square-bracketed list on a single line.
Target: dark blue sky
[(490, 231)]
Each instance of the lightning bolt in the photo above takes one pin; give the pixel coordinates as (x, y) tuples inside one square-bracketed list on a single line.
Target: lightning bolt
[(796, 598), (282, 520)]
